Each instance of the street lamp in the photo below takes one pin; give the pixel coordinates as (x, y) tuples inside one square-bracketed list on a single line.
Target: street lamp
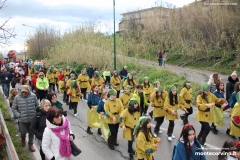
[(114, 43), (38, 38)]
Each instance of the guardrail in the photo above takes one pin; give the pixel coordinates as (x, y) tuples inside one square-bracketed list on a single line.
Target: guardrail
[(11, 152)]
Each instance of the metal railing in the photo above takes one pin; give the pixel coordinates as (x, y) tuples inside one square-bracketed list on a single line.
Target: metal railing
[(11, 152)]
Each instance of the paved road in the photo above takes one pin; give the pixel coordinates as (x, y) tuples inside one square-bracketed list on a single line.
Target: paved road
[(95, 147), (195, 75)]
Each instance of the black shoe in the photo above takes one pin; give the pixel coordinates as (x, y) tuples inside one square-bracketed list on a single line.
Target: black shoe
[(228, 131), (116, 143), (99, 131), (89, 131), (213, 129), (182, 117), (131, 151), (111, 146), (131, 156)]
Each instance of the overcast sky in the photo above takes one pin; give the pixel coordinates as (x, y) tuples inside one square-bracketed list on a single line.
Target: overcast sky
[(68, 14)]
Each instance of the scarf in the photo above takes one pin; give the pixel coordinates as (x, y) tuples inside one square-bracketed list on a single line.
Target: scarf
[(65, 148), (191, 143)]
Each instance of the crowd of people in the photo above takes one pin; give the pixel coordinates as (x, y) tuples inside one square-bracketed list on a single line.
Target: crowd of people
[(110, 110)]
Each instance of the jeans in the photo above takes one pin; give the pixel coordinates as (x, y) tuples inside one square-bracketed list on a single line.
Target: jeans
[(6, 87), (163, 63), (160, 61)]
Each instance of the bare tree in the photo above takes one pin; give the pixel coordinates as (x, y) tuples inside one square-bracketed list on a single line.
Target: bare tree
[(5, 32)]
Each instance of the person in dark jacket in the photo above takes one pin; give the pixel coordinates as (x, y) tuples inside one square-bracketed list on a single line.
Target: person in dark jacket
[(24, 108), (123, 73), (90, 71), (52, 97), (232, 80), (6, 78), (15, 79), (38, 123)]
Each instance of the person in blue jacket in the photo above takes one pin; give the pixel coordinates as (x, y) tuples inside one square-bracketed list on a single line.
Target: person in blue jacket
[(233, 100), (100, 108), (219, 93), (188, 147), (92, 102)]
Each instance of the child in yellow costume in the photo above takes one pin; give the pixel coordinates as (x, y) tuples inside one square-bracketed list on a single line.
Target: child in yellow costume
[(126, 96), (50, 77), (146, 144), (67, 71), (83, 81), (142, 99), (55, 75), (205, 101), (157, 100), (171, 104), (157, 85), (68, 86), (113, 108), (116, 82), (130, 81), (235, 118), (75, 95), (98, 80), (129, 119), (147, 88), (186, 94)]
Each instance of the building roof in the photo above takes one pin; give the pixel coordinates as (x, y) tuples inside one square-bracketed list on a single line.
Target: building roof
[(143, 10)]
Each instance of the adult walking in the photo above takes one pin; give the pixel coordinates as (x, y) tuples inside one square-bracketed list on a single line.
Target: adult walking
[(57, 136), (38, 123), (24, 108), (90, 71), (42, 86), (52, 97), (123, 73), (232, 80), (159, 56), (6, 78)]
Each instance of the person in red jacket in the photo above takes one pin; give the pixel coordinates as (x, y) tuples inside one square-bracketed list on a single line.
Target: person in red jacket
[(60, 75), (34, 81)]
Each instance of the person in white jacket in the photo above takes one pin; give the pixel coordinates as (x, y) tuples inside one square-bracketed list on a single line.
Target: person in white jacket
[(57, 136)]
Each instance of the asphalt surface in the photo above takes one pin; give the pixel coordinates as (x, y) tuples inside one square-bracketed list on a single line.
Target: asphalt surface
[(95, 147)]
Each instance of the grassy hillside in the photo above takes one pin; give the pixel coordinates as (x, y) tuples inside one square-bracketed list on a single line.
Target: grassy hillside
[(199, 35)]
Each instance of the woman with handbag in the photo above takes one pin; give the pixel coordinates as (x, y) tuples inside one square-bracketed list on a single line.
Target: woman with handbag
[(57, 136), (38, 123)]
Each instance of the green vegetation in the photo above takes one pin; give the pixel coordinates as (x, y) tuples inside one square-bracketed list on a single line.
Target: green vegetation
[(21, 151), (198, 36)]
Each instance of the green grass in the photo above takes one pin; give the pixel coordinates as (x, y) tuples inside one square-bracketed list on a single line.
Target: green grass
[(21, 151)]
